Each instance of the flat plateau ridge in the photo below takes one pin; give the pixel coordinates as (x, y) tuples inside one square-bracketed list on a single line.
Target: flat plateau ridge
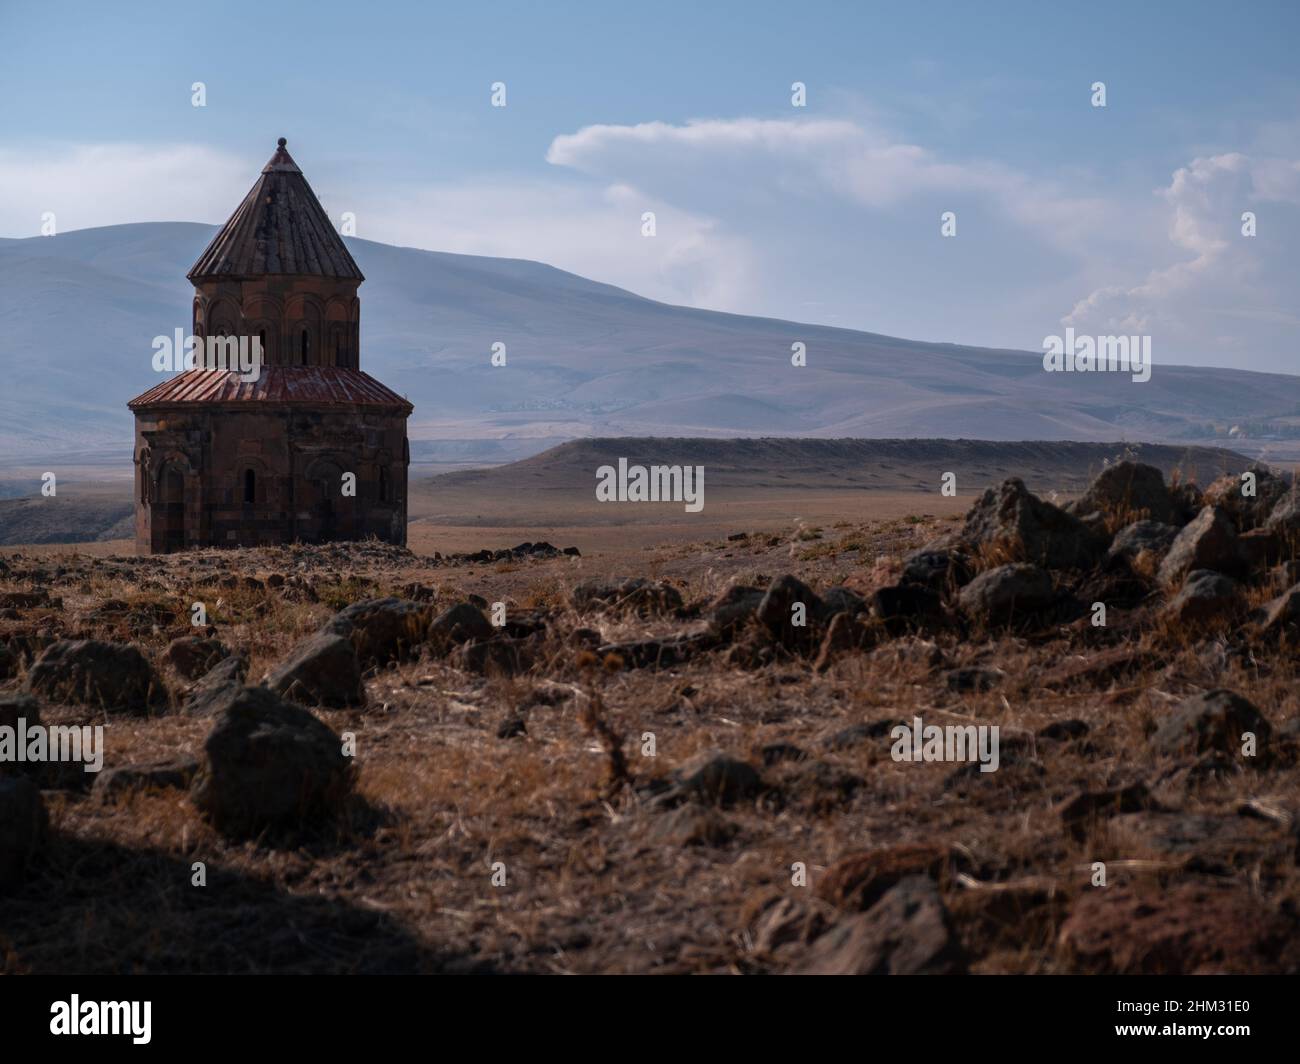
[(775, 463), (557, 486)]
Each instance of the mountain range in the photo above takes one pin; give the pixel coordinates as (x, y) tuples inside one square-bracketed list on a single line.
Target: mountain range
[(79, 311)]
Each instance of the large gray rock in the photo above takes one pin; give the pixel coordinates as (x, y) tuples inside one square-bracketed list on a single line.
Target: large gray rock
[(1285, 518), (23, 827), (776, 612), (1208, 542), (1017, 525), (1214, 720), (461, 623), (321, 671), (192, 656), (906, 932), (382, 630), (1206, 597), (1126, 492), (1246, 511), (217, 686), (1143, 543), (114, 677), (1282, 612), (1006, 594), (733, 609), (269, 764)]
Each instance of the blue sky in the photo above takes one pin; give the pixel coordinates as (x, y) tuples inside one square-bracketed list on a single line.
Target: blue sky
[(1123, 218)]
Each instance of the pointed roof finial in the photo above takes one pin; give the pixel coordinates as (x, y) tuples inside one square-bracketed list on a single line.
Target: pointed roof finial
[(281, 160)]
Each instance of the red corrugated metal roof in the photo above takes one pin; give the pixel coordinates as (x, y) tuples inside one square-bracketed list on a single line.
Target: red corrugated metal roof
[(318, 385), (279, 228)]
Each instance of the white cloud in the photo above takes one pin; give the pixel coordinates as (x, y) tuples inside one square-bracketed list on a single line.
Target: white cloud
[(1225, 291), (826, 218), (594, 232), (112, 184)]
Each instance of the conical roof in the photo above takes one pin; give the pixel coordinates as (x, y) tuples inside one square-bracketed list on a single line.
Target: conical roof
[(280, 228)]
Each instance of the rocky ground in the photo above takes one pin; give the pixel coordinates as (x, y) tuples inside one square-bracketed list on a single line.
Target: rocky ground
[(360, 759)]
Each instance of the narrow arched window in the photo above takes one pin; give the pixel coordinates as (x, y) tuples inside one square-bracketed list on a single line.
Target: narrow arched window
[(383, 484), (250, 486), (304, 347)]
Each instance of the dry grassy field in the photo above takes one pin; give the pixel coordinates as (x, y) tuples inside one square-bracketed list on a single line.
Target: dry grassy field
[(627, 790)]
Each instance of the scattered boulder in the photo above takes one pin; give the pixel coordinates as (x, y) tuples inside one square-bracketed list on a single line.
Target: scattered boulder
[(732, 609), (1246, 511), (1143, 544), (1013, 522), (1188, 501), (114, 677), (1083, 809), (843, 633), (321, 671), (460, 624), (269, 764), (778, 608), (907, 606), (1261, 548), (842, 600), (1208, 542), (217, 686), (1285, 518), (114, 784), (973, 679), (193, 655), (1283, 612), (1206, 597), (937, 569), (1007, 593), (716, 779), (1214, 720), (24, 826), (906, 932), (690, 825), (513, 726), (1064, 730), (499, 656), (382, 630), (857, 734), (1128, 491)]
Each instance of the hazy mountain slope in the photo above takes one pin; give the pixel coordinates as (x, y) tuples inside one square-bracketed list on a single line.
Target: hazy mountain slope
[(78, 313)]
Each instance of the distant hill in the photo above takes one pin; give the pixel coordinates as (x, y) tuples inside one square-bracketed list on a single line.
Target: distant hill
[(838, 464), (583, 359)]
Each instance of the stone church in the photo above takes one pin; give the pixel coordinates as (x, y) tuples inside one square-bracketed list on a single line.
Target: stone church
[(311, 450)]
